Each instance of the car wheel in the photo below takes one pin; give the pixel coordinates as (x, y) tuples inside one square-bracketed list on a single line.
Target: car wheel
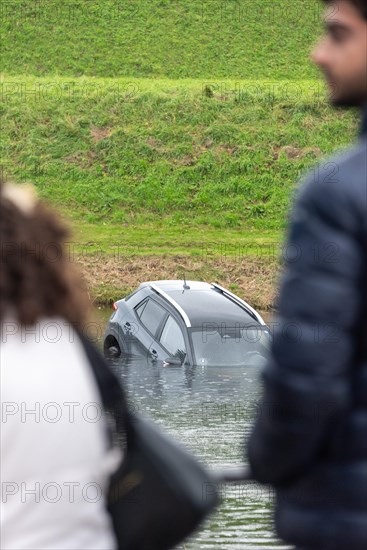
[(111, 347)]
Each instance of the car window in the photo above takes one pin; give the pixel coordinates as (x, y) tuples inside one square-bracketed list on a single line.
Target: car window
[(152, 315), (172, 338), (140, 308), (226, 346)]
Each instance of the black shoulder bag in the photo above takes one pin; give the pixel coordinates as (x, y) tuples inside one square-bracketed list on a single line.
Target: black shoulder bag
[(159, 494)]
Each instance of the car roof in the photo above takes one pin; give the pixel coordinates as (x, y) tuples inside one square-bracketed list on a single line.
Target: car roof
[(204, 303)]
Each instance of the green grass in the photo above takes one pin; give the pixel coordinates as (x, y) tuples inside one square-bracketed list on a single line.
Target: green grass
[(172, 134), (211, 39), (150, 240), (168, 152), (164, 123)]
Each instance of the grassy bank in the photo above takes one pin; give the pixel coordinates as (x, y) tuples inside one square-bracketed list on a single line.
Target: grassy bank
[(172, 135), (158, 239), (208, 39), (168, 153), (161, 178), (114, 261), (110, 278)]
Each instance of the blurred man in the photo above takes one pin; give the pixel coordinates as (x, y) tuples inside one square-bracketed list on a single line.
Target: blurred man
[(310, 436)]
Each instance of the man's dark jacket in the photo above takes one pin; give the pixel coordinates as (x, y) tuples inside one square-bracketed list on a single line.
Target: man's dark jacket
[(310, 435)]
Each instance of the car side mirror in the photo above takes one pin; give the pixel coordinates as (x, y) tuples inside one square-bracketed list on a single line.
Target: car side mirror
[(172, 362)]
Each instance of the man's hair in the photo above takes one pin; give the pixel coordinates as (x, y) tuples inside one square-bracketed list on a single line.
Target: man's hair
[(361, 5)]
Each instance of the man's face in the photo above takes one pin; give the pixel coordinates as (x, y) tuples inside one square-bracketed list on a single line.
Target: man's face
[(342, 54)]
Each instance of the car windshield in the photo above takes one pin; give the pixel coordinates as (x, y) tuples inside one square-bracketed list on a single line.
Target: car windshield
[(230, 346)]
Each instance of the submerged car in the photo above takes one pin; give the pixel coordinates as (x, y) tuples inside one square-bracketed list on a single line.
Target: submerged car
[(187, 322)]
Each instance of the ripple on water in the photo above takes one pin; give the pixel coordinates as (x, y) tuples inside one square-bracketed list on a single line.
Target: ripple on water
[(210, 411)]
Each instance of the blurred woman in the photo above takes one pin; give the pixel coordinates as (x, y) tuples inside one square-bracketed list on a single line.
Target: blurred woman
[(55, 455)]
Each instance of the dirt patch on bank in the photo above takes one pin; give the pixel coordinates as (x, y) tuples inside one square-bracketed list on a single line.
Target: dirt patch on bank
[(253, 278)]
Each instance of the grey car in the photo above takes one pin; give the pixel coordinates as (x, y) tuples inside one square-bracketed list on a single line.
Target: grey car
[(187, 322)]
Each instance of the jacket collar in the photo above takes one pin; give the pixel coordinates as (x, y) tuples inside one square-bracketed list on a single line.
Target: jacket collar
[(363, 127)]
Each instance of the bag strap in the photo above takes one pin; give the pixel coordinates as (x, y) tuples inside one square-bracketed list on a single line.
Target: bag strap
[(112, 393)]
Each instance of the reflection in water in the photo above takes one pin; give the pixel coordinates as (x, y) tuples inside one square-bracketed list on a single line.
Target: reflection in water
[(209, 409)]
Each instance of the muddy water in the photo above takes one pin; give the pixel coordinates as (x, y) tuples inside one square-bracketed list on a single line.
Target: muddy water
[(209, 410)]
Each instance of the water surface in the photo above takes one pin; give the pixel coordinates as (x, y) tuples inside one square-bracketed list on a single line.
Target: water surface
[(209, 410)]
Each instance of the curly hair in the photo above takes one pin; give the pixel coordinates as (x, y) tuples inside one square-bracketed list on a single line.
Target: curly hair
[(361, 5), (37, 279)]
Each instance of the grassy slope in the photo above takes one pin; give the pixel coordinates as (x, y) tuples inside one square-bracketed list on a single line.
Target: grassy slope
[(140, 151), (179, 137), (204, 149), (246, 39)]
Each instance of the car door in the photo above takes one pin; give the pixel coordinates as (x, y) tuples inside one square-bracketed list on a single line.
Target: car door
[(150, 316), (170, 341)]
